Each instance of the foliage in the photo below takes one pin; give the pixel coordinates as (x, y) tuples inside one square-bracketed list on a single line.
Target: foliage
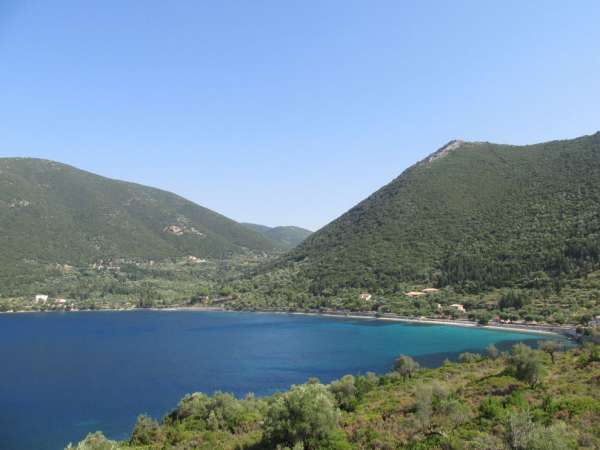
[(478, 217), (94, 441), (406, 366), (492, 351), (345, 392), (285, 237), (480, 405), (513, 299), (305, 415), (468, 357), (51, 213), (550, 346), (526, 364), (146, 431)]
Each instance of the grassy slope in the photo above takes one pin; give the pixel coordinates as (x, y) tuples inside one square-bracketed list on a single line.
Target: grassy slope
[(484, 215), (471, 408), (50, 212)]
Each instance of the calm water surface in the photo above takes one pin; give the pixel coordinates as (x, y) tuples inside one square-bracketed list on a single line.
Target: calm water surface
[(64, 375)]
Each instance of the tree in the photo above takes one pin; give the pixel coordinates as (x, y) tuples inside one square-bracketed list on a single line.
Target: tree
[(345, 392), (593, 352), (483, 318), (492, 351), (94, 441), (550, 347), (524, 434), (430, 399), (526, 364), (520, 430), (406, 366), (147, 295), (146, 431), (513, 299), (226, 291), (305, 415), (468, 357)]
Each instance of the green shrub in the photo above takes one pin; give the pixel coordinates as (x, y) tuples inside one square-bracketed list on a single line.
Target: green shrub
[(526, 364), (345, 392), (146, 431), (306, 414), (491, 408), (406, 366), (94, 441), (468, 357)]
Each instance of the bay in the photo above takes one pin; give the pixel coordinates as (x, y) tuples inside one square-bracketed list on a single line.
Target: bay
[(63, 375)]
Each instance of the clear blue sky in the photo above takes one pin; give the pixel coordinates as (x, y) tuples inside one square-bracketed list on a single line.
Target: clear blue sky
[(288, 112)]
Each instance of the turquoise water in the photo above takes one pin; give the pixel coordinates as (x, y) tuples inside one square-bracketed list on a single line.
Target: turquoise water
[(64, 375)]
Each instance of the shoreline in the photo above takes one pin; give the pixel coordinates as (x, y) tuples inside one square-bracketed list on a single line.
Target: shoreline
[(552, 330), (448, 322)]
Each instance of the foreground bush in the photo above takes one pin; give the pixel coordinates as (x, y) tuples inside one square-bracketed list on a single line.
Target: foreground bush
[(526, 364), (305, 415), (95, 441)]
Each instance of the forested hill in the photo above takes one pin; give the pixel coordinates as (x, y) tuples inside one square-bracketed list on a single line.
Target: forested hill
[(54, 213), (285, 237), (475, 215)]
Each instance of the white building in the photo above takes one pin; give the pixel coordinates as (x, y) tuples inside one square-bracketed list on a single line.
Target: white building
[(40, 298), (458, 307)]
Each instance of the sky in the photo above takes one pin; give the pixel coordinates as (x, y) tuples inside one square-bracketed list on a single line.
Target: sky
[(288, 112)]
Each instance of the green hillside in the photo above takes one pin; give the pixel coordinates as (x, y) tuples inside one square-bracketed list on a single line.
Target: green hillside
[(286, 237), (472, 215), (54, 213)]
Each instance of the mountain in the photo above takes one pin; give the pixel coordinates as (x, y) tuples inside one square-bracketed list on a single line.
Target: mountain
[(473, 214), (286, 237), (54, 213)]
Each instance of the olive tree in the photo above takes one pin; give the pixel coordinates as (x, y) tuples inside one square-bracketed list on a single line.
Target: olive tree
[(345, 392), (147, 431), (305, 415), (94, 441), (550, 347), (406, 366), (492, 351), (526, 364)]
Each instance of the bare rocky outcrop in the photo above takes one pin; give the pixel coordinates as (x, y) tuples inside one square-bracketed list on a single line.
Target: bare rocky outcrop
[(446, 149)]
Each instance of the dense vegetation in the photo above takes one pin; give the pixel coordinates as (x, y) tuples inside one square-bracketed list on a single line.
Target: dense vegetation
[(523, 400), (473, 216), (285, 237), (573, 301), (135, 284), (51, 213), (508, 232)]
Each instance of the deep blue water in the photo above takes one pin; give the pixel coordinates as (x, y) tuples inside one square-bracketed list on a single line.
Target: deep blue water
[(64, 375)]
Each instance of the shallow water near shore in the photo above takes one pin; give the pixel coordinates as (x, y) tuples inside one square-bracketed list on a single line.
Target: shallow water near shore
[(66, 374)]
